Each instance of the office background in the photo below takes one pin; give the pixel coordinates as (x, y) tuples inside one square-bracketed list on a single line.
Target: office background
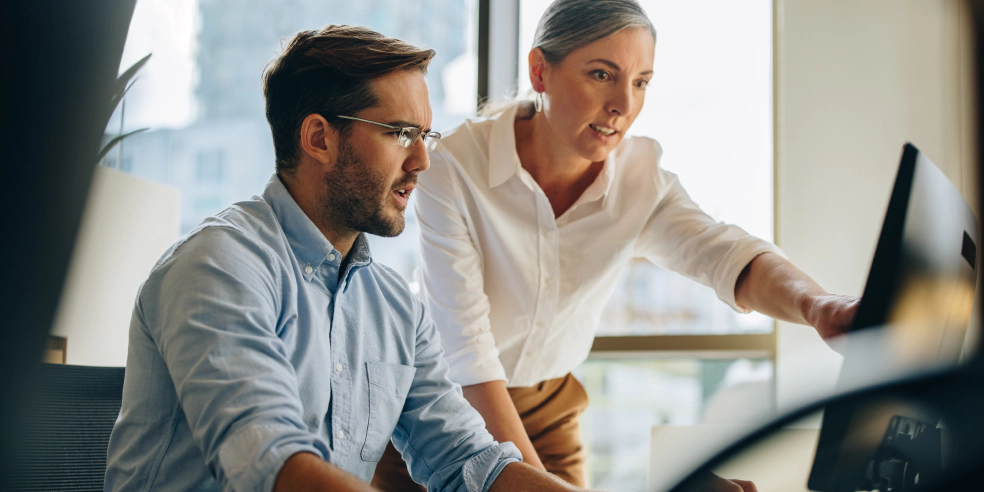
[(784, 117)]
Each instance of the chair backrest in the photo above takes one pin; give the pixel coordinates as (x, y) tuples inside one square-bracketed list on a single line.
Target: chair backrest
[(68, 428)]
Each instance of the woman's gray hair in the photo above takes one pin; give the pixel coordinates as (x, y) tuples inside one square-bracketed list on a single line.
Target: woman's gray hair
[(571, 24), (567, 25)]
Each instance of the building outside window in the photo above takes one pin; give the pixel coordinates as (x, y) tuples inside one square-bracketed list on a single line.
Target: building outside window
[(200, 93), (209, 166)]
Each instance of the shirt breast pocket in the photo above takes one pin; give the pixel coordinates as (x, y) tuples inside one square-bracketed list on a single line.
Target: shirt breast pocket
[(389, 385)]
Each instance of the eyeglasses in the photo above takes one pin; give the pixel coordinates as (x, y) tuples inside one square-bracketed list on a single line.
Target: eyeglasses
[(408, 134)]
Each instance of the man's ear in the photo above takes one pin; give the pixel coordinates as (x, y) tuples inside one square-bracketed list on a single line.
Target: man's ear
[(537, 66), (319, 140)]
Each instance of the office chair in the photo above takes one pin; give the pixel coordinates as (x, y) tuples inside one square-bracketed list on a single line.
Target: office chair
[(68, 427)]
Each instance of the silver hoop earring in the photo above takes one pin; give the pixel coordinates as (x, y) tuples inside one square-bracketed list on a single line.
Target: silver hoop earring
[(538, 102)]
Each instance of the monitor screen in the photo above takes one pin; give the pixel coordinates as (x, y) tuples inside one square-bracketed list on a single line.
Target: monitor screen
[(914, 313)]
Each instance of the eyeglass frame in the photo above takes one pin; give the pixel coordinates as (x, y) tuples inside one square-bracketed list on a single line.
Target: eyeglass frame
[(405, 133)]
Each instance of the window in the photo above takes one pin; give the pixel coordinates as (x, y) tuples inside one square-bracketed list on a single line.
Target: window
[(630, 396), (209, 166), (200, 92)]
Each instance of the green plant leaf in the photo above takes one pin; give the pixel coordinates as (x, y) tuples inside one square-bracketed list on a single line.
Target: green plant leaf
[(123, 84), (117, 139), (123, 80)]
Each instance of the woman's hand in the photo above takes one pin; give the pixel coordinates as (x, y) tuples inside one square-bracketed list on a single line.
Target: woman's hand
[(773, 286), (831, 315)]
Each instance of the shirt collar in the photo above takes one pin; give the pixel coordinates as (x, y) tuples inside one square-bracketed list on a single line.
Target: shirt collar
[(603, 183), (503, 159), (360, 255), (308, 243)]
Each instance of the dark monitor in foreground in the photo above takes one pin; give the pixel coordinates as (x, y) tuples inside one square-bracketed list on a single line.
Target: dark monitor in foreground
[(917, 302)]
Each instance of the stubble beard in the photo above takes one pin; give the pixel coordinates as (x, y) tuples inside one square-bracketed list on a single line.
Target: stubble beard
[(356, 197)]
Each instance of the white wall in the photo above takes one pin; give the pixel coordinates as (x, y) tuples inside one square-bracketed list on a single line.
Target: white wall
[(128, 223), (855, 79)]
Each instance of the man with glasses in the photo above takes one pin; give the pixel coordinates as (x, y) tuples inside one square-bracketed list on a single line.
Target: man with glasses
[(267, 349)]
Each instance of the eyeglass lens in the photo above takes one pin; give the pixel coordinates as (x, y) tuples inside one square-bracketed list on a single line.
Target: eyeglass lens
[(408, 136)]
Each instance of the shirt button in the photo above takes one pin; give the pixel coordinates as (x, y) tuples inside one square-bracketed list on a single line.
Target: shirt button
[(340, 434), (540, 325), (308, 269), (338, 367), (331, 257), (550, 282), (549, 234)]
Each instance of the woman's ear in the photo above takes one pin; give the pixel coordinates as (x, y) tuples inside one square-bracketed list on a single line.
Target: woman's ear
[(319, 140), (537, 66)]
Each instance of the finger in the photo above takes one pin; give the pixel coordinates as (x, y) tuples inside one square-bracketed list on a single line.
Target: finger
[(719, 484), (746, 485)]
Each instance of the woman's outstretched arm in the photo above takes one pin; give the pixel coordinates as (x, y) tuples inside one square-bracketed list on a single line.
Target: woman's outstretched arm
[(772, 285)]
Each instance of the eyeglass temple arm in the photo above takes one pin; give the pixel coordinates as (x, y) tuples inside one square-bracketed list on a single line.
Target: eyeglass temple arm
[(372, 122)]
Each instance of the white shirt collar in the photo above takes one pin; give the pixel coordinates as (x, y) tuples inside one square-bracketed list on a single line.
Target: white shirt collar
[(503, 159), (603, 183)]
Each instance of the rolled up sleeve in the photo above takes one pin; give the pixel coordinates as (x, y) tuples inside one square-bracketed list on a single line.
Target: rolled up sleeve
[(442, 438), (214, 317), (452, 280), (683, 238)]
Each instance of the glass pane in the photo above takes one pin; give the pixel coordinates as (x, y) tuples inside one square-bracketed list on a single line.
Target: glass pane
[(200, 92), (710, 107), (651, 300), (629, 397)]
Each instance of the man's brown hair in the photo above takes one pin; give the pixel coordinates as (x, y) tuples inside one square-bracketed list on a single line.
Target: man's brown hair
[(327, 72)]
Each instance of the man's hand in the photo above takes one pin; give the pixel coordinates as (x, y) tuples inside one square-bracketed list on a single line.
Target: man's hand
[(710, 482), (519, 477), (831, 315), (306, 472)]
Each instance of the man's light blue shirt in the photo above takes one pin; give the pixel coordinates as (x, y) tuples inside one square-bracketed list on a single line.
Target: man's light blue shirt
[(247, 346)]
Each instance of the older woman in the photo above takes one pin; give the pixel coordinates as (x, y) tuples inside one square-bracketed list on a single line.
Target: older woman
[(528, 217)]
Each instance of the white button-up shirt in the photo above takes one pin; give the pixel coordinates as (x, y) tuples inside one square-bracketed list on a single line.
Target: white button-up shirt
[(517, 294)]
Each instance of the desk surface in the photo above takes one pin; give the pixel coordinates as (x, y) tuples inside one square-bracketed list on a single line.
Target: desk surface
[(780, 463)]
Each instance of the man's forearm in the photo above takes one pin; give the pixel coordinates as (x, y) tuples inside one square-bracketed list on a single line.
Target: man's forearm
[(492, 401), (517, 477), (305, 471)]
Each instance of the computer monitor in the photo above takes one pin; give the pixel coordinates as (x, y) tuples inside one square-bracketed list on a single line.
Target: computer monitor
[(914, 315)]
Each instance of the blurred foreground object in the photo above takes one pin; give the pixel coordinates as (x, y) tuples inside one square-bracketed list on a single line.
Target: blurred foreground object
[(60, 64), (773, 457)]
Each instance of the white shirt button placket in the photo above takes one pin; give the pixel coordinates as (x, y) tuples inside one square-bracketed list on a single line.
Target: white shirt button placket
[(546, 303)]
